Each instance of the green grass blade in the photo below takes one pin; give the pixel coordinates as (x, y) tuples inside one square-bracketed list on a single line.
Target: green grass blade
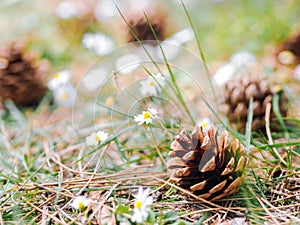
[(199, 48), (276, 110)]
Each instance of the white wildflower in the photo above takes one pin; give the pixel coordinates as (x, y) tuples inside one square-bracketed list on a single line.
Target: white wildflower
[(172, 45), (98, 43), (225, 73), (152, 85), (94, 78), (141, 204), (105, 10), (59, 79), (205, 123), (171, 49), (146, 116), (183, 36), (95, 138), (242, 59), (64, 95), (66, 10), (80, 202)]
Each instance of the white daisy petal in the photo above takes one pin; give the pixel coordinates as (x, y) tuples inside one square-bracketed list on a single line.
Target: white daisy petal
[(225, 73), (105, 10), (145, 194), (66, 10), (149, 201), (91, 140), (102, 136), (184, 35), (153, 112), (126, 64)]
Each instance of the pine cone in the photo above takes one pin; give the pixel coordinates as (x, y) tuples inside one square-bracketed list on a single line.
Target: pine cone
[(208, 167), (20, 77), (140, 26), (289, 51), (237, 96)]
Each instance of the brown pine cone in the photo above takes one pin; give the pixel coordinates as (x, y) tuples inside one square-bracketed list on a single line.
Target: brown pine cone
[(208, 167), (138, 23), (21, 79), (237, 96)]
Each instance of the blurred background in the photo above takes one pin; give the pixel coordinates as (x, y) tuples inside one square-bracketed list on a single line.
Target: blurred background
[(85, 39), (55, 29)]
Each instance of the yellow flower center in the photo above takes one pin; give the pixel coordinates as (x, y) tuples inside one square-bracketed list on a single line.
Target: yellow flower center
[(138, 204), (277, 88), (97, 138), (81, 206), (56, 76), (109, 101), (63, 96), (147, 115), (204, 125), (152, 83)]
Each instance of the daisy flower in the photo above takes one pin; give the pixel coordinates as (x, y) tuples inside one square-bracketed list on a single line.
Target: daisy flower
[(95, 138), (80, 202), (242, 59), (105, 10), (277, 88), (146, 116), (126, 64), (66, 10), (205, 123), (98, 43), (141, 203), (59, 79), (225, 73), (183, 36), (152, 85), (64, 95)]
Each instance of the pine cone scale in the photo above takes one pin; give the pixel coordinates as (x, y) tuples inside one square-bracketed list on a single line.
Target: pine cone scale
[(209, 166), (229, 167), (198, 187), (218, 187), (176, 162)]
